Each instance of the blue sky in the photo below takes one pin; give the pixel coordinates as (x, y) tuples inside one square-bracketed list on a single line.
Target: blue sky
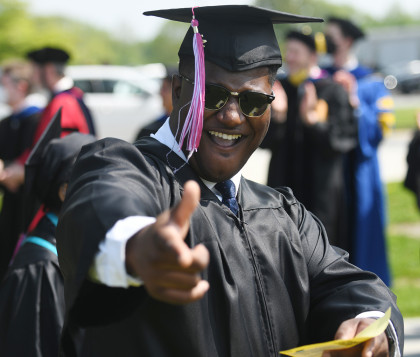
[(125, 16)]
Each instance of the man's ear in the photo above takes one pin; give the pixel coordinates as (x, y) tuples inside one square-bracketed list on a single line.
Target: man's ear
[(176, 87)]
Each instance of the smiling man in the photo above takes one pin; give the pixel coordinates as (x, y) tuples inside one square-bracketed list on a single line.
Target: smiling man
[(164, 256)]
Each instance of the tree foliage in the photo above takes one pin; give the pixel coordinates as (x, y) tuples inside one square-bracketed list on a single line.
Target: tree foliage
[(21, 31), (322, 8)]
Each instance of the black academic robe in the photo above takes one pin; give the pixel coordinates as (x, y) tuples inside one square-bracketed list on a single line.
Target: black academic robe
[(309, 159), (16, 136), (275, 282), (32, 300), (412, 178)]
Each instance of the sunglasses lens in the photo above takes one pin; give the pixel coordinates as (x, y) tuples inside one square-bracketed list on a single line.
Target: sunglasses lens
[(216, 97), (253, 104)]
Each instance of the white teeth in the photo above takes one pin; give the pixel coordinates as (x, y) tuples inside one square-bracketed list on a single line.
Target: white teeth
[(225, 136)]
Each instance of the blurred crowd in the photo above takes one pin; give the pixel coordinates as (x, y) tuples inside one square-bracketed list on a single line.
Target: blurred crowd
[(327, 123)]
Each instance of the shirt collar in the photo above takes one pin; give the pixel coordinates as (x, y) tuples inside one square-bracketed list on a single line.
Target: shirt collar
[(164, 136), (352, 63), (63, 84)]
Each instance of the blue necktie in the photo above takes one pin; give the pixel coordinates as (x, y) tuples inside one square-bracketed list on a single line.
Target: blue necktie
[(227, 189)]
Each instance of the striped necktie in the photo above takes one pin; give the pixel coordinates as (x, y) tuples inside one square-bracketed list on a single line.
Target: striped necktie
[(227, 189)]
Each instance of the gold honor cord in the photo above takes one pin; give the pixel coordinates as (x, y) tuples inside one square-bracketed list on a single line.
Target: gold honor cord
[(316, 350)]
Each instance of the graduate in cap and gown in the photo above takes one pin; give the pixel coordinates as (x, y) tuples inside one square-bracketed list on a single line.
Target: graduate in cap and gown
[(309, 140), (166, 250), (373, 106), (32, 292)]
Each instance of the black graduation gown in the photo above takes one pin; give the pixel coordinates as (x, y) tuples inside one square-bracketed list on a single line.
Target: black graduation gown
[(16, 135), (32, 300), (309, 159), (412, 178), (275, 282)]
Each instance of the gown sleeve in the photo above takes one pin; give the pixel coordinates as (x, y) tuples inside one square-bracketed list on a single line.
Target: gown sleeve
[(111, 180), (338, 290)]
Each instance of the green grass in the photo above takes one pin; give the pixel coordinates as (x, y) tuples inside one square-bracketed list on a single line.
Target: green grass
[(404, 256), (401, 202), (403, 250), (405, 118)]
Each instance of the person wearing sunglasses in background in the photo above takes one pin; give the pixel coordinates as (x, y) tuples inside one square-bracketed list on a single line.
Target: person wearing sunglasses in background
[(168, 251), (309, 137)]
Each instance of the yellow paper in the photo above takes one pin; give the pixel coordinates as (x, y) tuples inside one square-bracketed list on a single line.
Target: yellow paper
[(316, 350)]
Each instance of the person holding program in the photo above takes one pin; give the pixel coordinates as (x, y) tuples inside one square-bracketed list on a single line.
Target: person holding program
[(166, 250)]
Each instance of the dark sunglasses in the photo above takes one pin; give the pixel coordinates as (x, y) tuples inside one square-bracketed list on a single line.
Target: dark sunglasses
[(252, 104)]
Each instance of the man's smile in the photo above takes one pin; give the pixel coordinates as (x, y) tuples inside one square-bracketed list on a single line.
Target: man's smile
[(224, 139)]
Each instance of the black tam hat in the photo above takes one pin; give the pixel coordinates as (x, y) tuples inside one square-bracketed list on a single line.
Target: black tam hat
[(238, 37), (348, 28), (48, 54), (307, 40)]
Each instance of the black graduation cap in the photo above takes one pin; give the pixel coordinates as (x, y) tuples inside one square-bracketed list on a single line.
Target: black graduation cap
[(48, 54), (239, 37), (50, 164), (348, 28)]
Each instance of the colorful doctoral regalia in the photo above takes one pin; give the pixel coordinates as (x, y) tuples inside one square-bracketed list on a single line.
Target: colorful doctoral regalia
[(365, 188), (75, 116)]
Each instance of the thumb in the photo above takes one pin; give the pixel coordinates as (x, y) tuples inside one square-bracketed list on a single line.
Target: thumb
[(182, 212)]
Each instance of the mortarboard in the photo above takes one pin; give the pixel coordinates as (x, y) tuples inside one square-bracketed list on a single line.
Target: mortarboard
[(236, 37), (48, 54), (50, 164), (239, 37), (348, 28), (32, 203)]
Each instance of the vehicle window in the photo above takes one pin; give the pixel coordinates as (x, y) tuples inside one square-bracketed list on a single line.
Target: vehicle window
[(111, 86), (123, 87), (84, 84)]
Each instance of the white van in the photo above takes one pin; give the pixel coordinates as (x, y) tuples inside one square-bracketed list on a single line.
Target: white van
[(122, 100)]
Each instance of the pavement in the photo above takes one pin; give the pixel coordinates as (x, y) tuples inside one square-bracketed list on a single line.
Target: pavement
[(392, 160), (412, 337)]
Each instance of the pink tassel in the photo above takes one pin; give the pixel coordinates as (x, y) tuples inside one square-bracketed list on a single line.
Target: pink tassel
[(193, 125)]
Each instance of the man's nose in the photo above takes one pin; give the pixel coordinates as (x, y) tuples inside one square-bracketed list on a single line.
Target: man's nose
[(231, 113)]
